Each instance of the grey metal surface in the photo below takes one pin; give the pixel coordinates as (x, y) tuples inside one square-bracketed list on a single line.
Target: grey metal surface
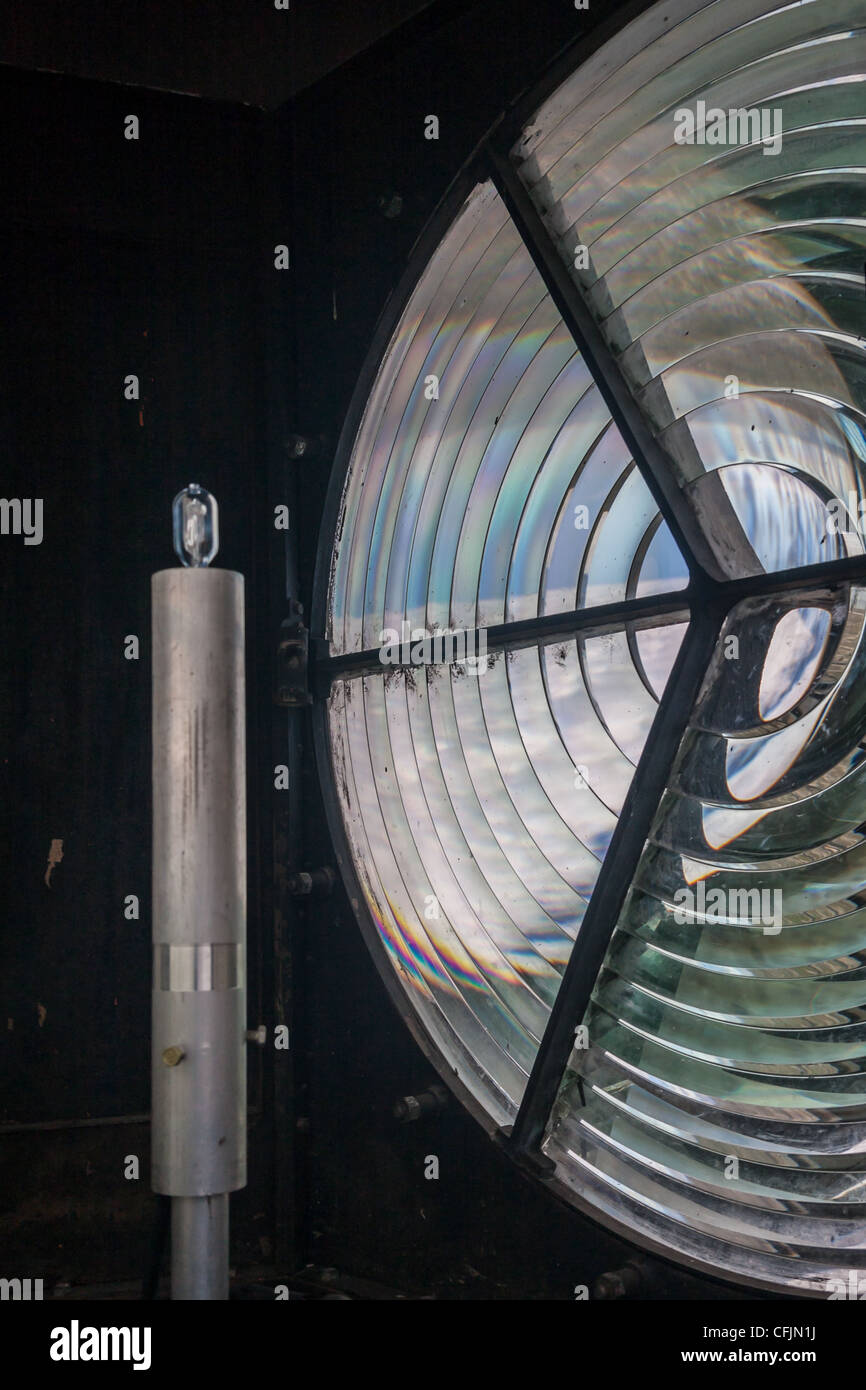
[(200, 1248), (199, 884)]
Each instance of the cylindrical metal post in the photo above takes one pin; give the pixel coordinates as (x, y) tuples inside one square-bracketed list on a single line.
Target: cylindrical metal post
[(199, 916), (200, 1247)]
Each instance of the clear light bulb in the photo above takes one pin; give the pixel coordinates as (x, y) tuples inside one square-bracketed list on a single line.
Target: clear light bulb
[(195, 517)]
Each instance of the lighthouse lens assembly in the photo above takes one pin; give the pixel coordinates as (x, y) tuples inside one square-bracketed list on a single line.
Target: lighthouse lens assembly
[(508, 593)]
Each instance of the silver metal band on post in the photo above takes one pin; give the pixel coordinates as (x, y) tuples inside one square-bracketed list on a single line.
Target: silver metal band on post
[(188, 969)]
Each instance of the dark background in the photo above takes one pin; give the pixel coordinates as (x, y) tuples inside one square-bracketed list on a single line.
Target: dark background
[(155, 257)]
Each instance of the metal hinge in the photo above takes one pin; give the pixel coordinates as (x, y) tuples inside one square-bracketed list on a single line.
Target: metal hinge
[(292, 685)]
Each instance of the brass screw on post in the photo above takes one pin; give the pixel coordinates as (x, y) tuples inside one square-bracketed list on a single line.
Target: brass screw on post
[(172, 1056)]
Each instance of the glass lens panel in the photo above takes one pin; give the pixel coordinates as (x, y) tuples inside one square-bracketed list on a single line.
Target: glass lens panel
[(487, 482), (479, 799), (703, 176), (716, 1101)]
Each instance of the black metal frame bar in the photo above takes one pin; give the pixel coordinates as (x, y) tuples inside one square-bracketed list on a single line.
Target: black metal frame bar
[(706, 601), (653, 610)]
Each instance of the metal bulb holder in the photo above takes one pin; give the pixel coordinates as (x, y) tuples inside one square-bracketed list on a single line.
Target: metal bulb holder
[(199, 898)]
